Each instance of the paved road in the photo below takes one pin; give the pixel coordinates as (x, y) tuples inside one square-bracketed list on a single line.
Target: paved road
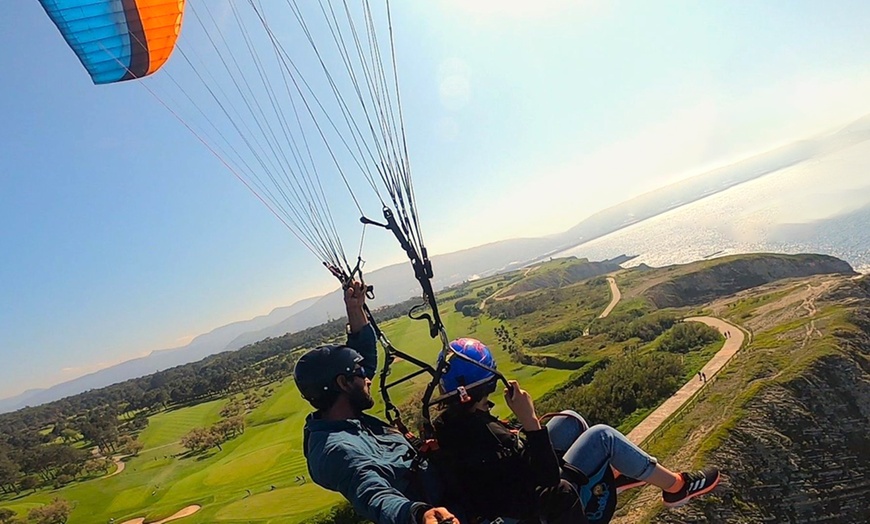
[(615, 296), (731, 347)]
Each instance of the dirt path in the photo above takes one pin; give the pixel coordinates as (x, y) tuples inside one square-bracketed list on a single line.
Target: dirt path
[(809, 305), (615, 297), (501, 291), (186, 512), (121, 466), (119, 461), (731, 347)]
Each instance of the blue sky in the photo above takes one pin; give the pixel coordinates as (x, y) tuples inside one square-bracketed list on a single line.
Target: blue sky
[(122, 234)]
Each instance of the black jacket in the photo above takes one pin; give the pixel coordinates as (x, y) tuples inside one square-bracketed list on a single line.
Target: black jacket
[(492, 471)]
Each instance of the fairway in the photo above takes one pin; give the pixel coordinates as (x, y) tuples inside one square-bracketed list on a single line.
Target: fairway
[(168, 427), (260, 476), (161, 480)]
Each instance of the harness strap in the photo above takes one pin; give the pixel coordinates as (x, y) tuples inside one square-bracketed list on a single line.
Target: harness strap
[(423, 447)]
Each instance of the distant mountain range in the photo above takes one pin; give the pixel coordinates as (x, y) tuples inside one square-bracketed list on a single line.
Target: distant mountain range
[(215, 341), (396, 283)]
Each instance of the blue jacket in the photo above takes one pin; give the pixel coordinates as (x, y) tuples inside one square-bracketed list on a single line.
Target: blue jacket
[(366, 460)]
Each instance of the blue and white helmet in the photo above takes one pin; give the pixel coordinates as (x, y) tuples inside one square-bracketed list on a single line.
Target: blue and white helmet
[(467, 374)]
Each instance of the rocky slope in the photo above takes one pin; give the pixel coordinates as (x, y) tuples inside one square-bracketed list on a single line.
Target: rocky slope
[(800, 453), (730, 275)]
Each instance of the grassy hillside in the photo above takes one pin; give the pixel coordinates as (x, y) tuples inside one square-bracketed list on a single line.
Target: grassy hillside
[(253, 478), (781, 416), (163, 478)]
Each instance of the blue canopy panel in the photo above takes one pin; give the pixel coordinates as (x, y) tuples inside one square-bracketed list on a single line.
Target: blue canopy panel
[(118, 40)]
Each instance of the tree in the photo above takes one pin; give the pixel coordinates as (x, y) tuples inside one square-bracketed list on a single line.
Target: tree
[(195, 439), (49, 461), (470, 310), (156, 398), (130, 445), (135, 447), (55, 513), (234, 407), (29, 482), (62, 480), (238, 424), (213, 438), (6, 515), (628, 383), (9, 473), (97, 465), (69, 435), (72, 469), (102, 430), (139, 422), (220, 382), (463, 302)]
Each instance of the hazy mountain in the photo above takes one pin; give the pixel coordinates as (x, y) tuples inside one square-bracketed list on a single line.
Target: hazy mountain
[(396, 283), (846, 223), (201, 346), (19, 401), (690, 190)]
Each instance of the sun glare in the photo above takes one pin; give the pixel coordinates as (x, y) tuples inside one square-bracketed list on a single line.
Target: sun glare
[(513, 8)]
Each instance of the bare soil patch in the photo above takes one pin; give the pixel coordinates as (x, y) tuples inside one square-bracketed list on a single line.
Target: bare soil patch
[(185, 512)]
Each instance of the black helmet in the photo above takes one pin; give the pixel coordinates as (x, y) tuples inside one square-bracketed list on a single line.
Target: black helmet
[(315, 372)]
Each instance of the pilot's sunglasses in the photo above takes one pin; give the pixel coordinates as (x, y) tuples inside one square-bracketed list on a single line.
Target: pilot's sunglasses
[(358, 371)]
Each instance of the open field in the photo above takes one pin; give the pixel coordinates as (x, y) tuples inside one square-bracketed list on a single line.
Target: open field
[(161, 480), (257, 476), (266, 459)]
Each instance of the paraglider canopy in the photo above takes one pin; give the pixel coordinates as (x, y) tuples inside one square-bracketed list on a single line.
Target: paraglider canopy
[(118, 40), (288, 96)]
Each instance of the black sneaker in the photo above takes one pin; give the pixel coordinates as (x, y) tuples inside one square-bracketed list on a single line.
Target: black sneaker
[(624, 483), (695, 484)]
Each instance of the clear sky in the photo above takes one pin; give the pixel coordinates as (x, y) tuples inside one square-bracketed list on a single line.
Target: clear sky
[(121, 234)]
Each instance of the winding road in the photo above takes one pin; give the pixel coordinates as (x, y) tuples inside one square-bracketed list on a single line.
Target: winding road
[(615, 297), (732, 345)]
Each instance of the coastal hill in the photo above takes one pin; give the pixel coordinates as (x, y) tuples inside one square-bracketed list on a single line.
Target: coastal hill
[(728, 275), (786, 418)]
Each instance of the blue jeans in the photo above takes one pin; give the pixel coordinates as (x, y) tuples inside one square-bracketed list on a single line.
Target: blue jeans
[(590, 449)]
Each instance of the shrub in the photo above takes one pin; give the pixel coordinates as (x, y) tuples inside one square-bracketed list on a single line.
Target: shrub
[(688, 336), (553, 337), (341, 514), (63, 480), (55, 513), (462, 303), (470, 311), (628, 383)]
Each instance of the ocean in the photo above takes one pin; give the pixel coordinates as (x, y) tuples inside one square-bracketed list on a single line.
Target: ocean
[(819, 206)]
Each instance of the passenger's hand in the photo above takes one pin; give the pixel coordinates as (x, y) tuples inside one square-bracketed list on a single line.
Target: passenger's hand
[(439, 516), (521, 403)]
